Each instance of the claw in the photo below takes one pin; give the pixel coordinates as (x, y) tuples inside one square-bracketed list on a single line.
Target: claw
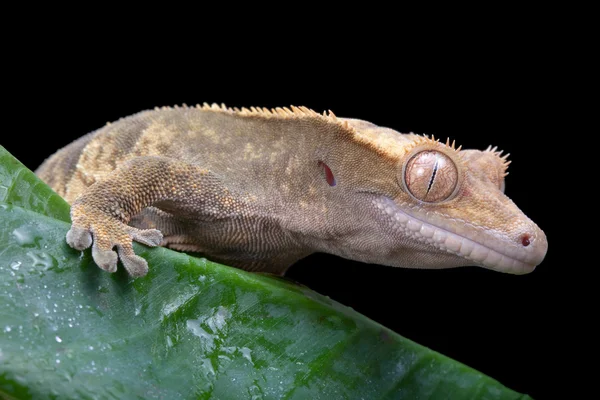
[(78, 238)]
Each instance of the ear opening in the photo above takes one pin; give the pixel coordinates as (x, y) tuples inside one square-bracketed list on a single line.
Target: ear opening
[(328, 173)]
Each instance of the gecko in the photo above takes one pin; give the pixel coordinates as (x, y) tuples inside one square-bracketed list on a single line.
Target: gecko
[(259, 189)]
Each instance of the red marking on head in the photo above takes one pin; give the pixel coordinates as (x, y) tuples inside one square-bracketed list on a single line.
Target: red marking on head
[(328, 174), (525, 241)]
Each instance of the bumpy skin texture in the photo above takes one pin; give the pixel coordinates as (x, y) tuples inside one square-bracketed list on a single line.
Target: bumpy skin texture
[(259, 189)]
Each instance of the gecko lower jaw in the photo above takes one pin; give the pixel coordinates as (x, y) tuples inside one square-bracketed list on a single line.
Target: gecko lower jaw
[(500, 257)]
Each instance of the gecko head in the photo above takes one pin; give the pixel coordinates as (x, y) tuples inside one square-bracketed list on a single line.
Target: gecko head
[(448, 209)]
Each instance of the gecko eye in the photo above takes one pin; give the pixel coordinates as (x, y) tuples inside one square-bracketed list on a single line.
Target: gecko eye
[(431, 176)]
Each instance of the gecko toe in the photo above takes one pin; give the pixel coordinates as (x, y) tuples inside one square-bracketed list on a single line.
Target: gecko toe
[(149, 237), (136, 266), (106, 259), (78, 238)]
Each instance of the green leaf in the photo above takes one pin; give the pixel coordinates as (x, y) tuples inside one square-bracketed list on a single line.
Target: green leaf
[(19, 186), (190, 329)]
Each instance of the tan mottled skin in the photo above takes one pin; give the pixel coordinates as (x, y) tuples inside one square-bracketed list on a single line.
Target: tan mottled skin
[(248, 188)]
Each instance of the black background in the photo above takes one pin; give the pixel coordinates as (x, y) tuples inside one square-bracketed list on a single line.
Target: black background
[(504, 93)]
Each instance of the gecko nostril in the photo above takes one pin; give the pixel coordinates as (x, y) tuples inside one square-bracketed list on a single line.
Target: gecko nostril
[(525, 240)]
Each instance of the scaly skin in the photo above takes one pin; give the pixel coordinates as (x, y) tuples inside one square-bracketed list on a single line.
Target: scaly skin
[(260, 189)]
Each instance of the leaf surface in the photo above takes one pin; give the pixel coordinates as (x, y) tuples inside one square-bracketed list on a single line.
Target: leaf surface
[(190, 329)]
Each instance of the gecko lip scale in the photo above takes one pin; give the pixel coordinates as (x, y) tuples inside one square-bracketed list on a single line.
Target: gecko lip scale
[(494, 254)]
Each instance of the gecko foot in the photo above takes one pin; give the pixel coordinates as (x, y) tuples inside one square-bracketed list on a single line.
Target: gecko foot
[(104, 232)]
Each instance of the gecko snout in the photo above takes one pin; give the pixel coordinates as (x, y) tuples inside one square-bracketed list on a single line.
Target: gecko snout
[(533, 246)]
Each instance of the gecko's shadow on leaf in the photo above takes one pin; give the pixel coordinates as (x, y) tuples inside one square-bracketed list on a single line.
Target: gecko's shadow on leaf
[(94, 280)]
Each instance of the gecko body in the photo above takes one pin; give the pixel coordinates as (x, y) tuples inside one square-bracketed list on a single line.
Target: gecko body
[(260, 189)]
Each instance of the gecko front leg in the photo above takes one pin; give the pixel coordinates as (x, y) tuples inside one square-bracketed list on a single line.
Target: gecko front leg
[(100, 215)]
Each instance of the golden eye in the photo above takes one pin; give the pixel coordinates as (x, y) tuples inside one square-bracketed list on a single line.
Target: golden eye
[(431, 176)]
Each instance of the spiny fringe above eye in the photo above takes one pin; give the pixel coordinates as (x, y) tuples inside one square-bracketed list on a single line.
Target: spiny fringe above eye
[(426, 140), (497, 152), (503, 159)]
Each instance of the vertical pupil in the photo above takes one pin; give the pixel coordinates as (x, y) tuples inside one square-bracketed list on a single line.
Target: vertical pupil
[(430, 176), (435, 168)]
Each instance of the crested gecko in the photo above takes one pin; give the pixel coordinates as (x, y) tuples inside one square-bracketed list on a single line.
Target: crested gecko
[(261, 188)]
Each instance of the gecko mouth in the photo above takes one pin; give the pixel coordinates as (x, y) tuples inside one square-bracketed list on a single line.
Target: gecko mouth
[(495, 253)]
